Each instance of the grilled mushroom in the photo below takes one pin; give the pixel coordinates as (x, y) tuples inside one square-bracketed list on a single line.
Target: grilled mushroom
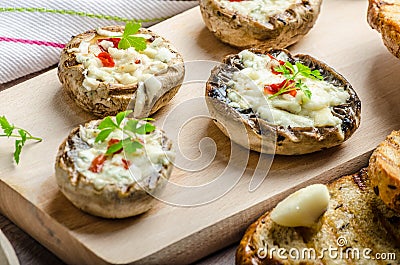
[(116, 185), (141, 80), (247, 91), (260, 23)]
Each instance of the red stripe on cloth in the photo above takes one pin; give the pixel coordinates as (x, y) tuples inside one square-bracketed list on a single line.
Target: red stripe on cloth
[(33, 42)]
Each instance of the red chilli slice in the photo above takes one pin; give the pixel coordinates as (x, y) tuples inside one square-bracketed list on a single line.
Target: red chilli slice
[(275, 88), (273, 58), (126, 164), (106, 59), (115, 42), (98, 163)]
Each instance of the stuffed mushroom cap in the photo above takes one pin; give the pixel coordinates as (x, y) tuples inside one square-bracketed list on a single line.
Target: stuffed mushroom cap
[(260, 23), (104, 79), (279, 115), (116, 185)]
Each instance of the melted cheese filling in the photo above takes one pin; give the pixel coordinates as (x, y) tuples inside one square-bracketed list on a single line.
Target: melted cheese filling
[(145, 163), (247, 86), (131, 66), (259, 10)]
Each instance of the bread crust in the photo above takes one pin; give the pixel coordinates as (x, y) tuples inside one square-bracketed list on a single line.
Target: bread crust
[(383, 16), (384, 170), (280, 30), (362, 220), (109, 99), (289, 140), (112, 201)]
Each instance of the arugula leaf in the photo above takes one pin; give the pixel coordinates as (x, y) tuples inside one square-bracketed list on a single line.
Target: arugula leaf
[(114, 148), (128, 40)]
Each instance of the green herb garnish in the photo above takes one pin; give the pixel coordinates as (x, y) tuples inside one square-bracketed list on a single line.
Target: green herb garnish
[(23, 135), (128, 40), (131, 129), (290, 72)]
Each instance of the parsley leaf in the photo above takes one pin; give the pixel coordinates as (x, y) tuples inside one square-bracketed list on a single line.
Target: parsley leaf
[(114, 148), (131, 28), (103, 134), (128, 40), (132, 128), (145, 128), (23, 136), (18, 149), (290, 72), (317, 74), (131, 146), (306, 91), (107, 123), (131, 125), (6, 126), (120, 116)]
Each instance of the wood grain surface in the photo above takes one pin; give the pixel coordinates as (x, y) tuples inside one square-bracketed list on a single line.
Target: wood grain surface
[(170, 234), (30, 252)]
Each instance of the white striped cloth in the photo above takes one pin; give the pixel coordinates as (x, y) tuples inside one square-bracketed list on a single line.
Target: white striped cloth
[(32, 32)]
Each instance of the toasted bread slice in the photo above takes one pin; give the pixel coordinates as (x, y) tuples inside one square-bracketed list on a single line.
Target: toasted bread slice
[(384, 170), (356, 220), (384, 16)]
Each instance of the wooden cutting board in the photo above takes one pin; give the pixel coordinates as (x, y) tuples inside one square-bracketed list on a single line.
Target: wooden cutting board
[(170, 234)]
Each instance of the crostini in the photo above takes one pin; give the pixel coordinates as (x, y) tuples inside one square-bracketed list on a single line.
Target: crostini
[(111, 69), (302, 101), (110, 167), (384, 170), (259, 23), (355, 221)]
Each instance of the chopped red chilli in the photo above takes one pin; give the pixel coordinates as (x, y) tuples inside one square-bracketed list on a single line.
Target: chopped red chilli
[(106, 59), (126, 164), (98, 163), (285, 84), (115, 41)]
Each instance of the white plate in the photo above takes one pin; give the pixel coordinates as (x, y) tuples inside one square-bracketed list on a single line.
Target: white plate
[(7, 253)]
